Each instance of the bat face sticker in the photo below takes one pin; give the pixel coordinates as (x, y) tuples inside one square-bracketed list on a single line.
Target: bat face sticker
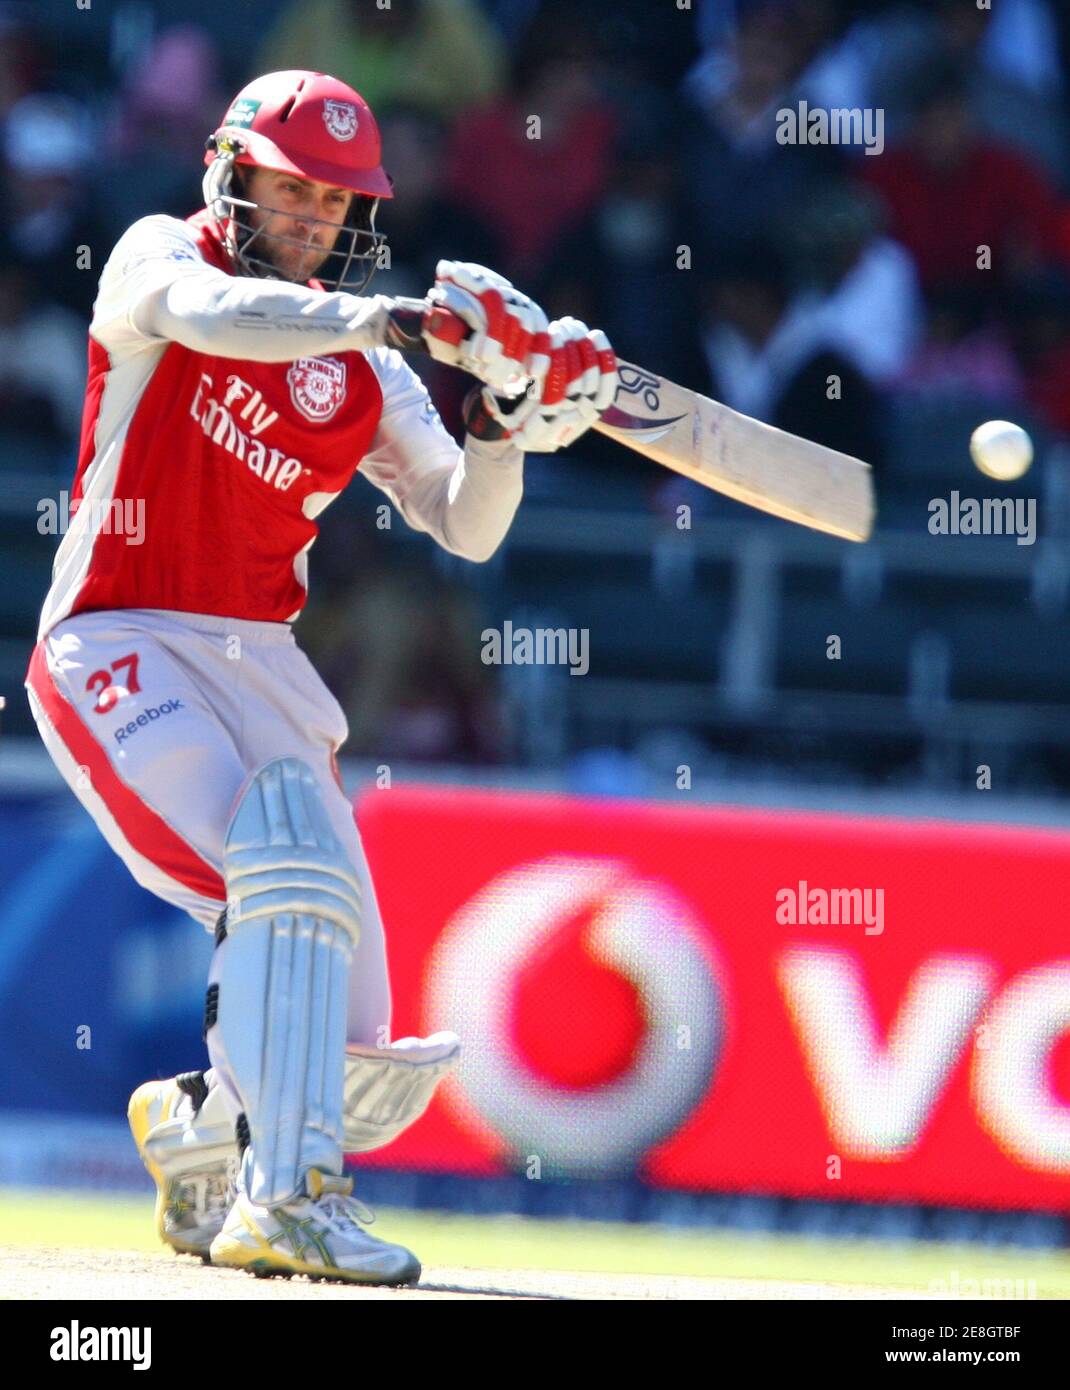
[(643, 388)]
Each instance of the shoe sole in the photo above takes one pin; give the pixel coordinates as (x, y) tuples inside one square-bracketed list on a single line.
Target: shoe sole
[(137, 1115), (278, 1267)]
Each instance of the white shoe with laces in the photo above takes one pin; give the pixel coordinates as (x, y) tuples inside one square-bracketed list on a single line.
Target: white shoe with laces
[(319, 1234), (186, 1141)]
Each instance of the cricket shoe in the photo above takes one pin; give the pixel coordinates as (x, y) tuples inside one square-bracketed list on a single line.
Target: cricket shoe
[(318, 1234), (191, 1153)]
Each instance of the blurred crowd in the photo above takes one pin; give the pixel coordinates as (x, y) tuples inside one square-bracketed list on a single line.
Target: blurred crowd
[(656, 202)]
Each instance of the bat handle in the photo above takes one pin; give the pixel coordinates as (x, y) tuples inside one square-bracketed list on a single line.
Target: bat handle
[(445, 324), (406, 330)]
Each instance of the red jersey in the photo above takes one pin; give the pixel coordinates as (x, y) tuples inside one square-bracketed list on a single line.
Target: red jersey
[(222, 414)]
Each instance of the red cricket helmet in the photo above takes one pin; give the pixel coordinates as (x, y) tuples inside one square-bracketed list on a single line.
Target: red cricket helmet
[(314, 126)]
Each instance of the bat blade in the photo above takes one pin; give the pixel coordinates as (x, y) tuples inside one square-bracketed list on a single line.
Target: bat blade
[(742, 458)]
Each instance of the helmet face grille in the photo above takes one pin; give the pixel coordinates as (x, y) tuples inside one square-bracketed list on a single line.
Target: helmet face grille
[(349, 265)]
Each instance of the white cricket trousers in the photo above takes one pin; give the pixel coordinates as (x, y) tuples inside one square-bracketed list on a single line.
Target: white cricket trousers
[(156, 718)]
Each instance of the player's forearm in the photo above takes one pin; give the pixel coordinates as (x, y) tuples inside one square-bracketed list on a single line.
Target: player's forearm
[(261, 320), (469, 508)]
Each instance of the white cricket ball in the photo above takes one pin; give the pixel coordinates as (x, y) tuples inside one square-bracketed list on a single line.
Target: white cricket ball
[(1001, 450)]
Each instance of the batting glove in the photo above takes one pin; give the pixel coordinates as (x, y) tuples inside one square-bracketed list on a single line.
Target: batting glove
[(580, 382), (508, 344)]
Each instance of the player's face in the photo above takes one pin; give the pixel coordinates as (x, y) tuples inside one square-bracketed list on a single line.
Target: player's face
[(299, 209)]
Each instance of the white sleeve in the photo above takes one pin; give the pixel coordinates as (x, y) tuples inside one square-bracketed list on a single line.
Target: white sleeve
[(465, 498), (157, 287)]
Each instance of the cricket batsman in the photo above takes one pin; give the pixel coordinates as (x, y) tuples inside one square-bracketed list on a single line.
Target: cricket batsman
[(238, 378)]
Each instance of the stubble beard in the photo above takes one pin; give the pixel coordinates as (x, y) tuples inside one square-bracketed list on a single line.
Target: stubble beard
[(290, 262)]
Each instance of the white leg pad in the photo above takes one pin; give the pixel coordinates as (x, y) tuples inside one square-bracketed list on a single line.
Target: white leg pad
[(293, 919), (386, 1088)]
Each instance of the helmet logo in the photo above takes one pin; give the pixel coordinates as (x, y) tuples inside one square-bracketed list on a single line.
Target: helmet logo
[(317, 386), (242, 112), (340, 118)]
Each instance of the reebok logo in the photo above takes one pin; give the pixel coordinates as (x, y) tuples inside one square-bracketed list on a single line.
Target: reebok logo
[(147, 717)]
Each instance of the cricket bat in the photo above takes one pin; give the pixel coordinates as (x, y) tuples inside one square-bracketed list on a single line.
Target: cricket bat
[(719, 448), (754, 463)]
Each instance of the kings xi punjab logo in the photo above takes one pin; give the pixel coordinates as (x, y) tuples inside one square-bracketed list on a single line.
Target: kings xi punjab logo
[(317, 386), (340, 118), (591, 1009)]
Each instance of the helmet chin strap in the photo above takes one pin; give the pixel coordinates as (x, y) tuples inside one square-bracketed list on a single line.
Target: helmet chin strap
[(215, 188)]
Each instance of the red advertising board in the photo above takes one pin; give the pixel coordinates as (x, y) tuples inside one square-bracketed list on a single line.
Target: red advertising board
[(732, 1000)]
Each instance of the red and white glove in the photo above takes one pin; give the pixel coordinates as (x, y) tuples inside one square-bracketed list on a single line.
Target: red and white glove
[(508, 344), (579, 384)]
